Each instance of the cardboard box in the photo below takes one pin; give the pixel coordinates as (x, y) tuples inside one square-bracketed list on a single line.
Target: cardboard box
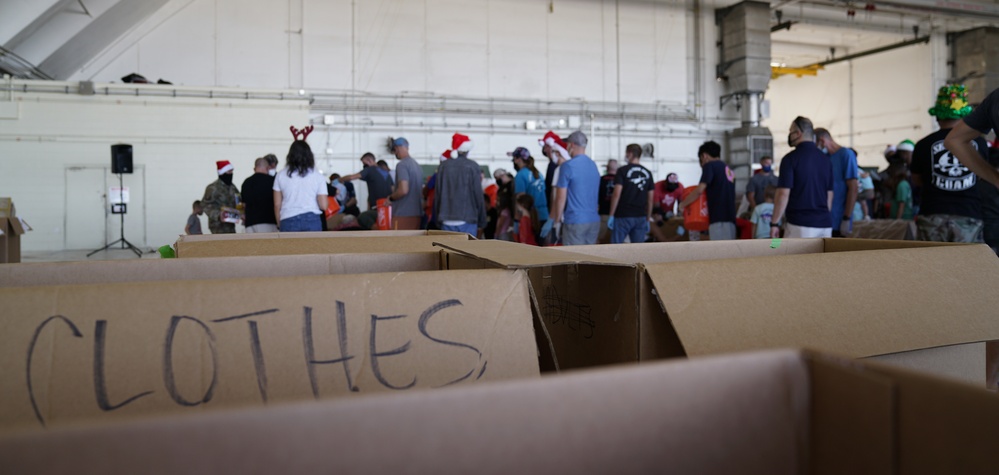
[(145, 270), (770, 413), (339, 242), (119, 351), (642, 302), (10, 240)]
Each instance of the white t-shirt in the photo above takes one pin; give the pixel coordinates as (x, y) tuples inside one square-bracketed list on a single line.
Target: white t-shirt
[(298, 193)]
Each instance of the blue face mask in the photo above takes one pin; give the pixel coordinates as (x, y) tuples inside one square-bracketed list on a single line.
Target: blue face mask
[(824, 150), (767, 168)]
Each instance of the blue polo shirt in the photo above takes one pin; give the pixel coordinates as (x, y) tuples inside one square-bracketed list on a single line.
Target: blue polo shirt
[(526, 183), (807, 172), (844, 167), (581, 179)]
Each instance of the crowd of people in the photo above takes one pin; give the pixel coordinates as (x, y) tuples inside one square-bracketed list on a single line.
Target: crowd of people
[(820, 191)]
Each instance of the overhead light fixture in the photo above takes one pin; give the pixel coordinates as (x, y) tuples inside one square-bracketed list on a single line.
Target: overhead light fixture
[(531, 125), (329, 119)]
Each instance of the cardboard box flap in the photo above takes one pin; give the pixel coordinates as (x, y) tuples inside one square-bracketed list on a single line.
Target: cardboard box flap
[(144, 270), (856, 304), (652, 253), (12, 226), (310, 245), (312, 235), (120, 351), (844, 245), (519, 256)]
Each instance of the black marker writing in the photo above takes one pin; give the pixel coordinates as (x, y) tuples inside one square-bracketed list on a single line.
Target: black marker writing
[(310, 348), (100, 383), (375, 368), (425, 319), (168, 375), (31, 352), (258, 360)]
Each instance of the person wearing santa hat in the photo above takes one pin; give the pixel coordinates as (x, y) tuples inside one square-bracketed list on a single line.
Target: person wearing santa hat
[(459, 204), (576, 188), (221, 200)]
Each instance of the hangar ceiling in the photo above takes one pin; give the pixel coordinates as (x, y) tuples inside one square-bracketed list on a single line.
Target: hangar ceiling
[(53, 39)]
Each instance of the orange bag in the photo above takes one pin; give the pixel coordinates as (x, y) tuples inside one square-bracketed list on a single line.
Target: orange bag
[(695, 215), (384, 222), (333, 207)]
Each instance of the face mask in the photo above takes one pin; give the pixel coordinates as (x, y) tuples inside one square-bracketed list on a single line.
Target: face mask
[(272, 172), (790, 141), (226, 178), (824, 150), (671, 186), (767, 168), (336, 182)]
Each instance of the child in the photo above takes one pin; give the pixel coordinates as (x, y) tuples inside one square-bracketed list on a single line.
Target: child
[(193, 222), (528, 219), (901, 203), (763, 213)]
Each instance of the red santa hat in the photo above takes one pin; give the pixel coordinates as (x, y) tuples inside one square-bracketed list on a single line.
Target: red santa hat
[(446, 155), (460, 144), (223, 166), (552, 140)]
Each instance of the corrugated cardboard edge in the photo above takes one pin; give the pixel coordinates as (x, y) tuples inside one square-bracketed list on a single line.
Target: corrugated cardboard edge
[(977, 253), (509, 255)]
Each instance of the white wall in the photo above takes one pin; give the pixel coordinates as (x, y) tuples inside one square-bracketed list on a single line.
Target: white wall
[(501, 53), (883, 100), (176, 143)]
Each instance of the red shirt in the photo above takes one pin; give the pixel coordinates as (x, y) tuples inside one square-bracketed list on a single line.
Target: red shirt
[(665, 199), (526, 234)]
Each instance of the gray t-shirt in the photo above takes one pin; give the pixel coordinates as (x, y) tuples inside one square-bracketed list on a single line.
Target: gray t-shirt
[(758, 184), (193, 224), (411, 204)]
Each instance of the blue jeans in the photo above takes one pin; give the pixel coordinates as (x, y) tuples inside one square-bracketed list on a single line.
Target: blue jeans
[(634, 228), (468, 228), (302, 222)]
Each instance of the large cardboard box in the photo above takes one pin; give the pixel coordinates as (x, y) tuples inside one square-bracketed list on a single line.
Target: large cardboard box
[(340, 242), (118, 351), (11, 230), (773, 413), (925, 306), (10, 240), (145, 270)]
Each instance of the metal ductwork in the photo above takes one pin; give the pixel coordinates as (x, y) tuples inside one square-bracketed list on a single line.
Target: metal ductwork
[(975, 61), (745, 66)]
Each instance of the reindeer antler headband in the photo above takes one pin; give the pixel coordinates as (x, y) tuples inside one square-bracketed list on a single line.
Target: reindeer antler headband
[(304, 132)]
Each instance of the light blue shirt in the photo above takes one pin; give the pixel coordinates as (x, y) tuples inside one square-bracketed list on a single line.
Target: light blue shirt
[(526, 183), (581, 179), (844, 166)]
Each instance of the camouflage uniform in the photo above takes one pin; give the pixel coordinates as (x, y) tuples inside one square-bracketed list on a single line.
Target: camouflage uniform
[(948, 228), (217, 195)]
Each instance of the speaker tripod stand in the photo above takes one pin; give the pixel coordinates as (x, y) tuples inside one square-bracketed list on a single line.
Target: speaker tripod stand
[(124, 242)]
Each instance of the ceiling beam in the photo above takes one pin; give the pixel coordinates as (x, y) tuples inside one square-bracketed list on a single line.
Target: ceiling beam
[(40, 21), (97, 36)]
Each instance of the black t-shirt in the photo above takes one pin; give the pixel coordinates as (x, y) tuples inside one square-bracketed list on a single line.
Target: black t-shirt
[(985, 117), (720, 191), (258, 197), (606, 191), (948, 186), (378, 186), (636, 184)]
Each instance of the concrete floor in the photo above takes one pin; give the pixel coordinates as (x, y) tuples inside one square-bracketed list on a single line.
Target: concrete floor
[(81, 255)]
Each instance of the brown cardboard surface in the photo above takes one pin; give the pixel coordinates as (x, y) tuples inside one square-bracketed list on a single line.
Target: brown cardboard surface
[(118, 351), (775, 412), (10, 240), (675, 418), (326, 243), (312, 235), (811, 300), (589, 305), (142, 270)]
